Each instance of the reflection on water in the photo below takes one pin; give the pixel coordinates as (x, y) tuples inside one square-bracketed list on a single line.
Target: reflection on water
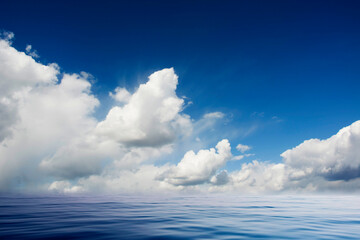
[(187, 217)]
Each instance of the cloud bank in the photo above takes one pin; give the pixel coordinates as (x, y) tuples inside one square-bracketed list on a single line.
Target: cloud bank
[(51, 141)]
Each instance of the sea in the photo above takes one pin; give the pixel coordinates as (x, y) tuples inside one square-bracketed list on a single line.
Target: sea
[(179, 217)]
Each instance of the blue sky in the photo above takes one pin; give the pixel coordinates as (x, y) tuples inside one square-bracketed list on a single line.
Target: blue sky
[(281, 71)]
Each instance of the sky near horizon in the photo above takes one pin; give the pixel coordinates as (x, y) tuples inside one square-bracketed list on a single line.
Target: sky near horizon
[(210, 96)]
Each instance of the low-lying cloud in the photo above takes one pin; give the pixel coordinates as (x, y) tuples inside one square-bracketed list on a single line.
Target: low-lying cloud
[(198, 168)]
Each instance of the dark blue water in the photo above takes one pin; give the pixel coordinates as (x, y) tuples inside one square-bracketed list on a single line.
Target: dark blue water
[(189, 217)]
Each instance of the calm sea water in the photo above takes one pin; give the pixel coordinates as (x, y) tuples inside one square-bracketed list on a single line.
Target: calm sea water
[(174, 217)]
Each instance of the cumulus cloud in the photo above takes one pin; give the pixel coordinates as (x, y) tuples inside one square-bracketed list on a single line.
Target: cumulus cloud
[(47, 128), (256, 177), (49, 117), (149, 178), (145, 127), (41, 113), (50, 137), (197, 168), (152, 115), (314, 165), (18, 73), (335, 158)]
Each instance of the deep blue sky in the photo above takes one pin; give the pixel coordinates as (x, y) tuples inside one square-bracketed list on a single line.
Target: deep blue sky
[(297, 60)]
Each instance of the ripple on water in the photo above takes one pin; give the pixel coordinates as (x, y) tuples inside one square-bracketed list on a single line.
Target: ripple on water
[(188, 217)]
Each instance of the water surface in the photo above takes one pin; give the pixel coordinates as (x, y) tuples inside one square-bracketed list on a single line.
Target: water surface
[(179, 217)]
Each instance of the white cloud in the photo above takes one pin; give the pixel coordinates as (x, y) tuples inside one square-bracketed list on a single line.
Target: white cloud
[(19, 71), (49, 136), (121, 95), (9, 116), (336, 158), (214, 115), (48, 131), (198, 168), (255, 177), (243, 148), (332, 164), (40, 113), (149, 178), (30, 51), (145, 127), (64, 187), (198, 172), (48, 117), (142, 179), (238, 157), (151, 117)]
